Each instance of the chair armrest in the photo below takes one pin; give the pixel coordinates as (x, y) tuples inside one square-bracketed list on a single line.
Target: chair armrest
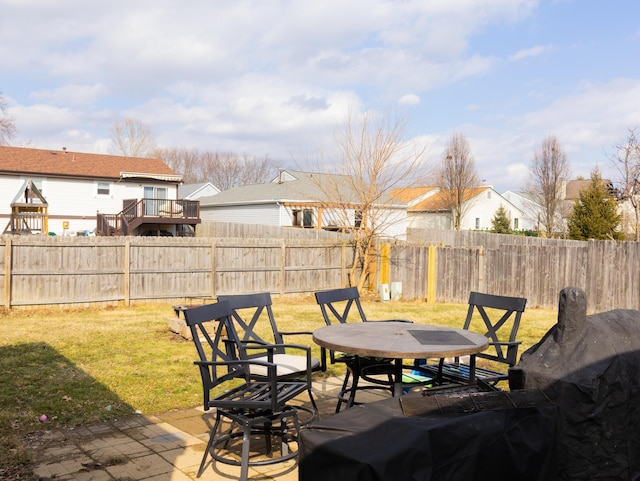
[(208, 379), (272, 347), (238, 362), (505, 343)]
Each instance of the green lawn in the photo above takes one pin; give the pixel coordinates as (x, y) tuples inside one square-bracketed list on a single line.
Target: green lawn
[(79, 366)]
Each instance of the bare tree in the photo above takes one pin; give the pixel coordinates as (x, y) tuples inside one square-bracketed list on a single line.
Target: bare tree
[(228, 169), (626, 160), (185, 162), (132, 138), (549, 170), (372, 159), (7, 123), (457, 177), (222, 169)]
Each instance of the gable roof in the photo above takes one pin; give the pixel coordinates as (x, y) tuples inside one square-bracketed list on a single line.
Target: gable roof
[(62, 163), (187, 190), (439, 202), (409, 194), (293, 186)]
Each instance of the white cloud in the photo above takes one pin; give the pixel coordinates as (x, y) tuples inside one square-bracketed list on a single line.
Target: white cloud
[(529, 52), (71, 95), (273, 77), (409, 99), (596, 115)]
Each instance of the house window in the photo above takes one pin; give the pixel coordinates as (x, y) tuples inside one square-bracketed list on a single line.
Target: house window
[(357, 218), (515, 223), (297, 217), (155, 200), (477, 223), (104, 188), (307, 218), (302, 218), (488, 194)]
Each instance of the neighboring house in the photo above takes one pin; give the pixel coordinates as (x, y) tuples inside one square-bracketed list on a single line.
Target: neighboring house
[(531, 210), (630, 218), (305, 200), (195, 191), (86, 193), (433, 212)]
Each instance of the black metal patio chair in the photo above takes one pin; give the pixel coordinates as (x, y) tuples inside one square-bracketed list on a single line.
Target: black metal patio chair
[(498, 318), (252, 407), (250, 313)]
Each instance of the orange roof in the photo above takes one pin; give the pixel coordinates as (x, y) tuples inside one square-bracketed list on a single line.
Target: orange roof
[(407, 194), (440, 202), (62, 163)]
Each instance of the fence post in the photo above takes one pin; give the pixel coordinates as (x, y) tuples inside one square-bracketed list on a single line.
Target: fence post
[(126, 255), (481, 269), (7, 273), (283, 273), (431, 275), (343, 263), (213, 269)]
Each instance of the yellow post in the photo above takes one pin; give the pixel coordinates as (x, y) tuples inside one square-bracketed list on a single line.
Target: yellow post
[(431, 275), (7, 272), (385, 263)]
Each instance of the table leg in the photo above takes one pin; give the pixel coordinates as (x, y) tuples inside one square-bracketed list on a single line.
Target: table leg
[(397, 385), (472, 369)]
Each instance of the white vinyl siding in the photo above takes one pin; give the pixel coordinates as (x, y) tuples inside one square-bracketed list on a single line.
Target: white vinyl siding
[(263, 214), (76, 200)]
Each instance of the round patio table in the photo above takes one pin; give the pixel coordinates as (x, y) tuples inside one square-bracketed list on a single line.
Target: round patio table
[(402, 340)]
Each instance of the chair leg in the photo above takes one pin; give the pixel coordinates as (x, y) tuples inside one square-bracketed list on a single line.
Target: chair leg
[(268, 427), (212, 437), (346, 378), (244, 460), (354, 388), (313, 401), (345, 383), (284, 430)]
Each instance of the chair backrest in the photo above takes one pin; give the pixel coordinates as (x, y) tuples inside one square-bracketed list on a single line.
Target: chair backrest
[(498, 319), (253, 319), (209, 325), (337, 305)]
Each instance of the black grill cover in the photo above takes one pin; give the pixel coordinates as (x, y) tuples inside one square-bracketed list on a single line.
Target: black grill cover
[(589, 366), (464, 439)]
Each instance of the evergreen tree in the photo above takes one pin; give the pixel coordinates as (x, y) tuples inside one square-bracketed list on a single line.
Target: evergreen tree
[(595, 213), (500, 222)]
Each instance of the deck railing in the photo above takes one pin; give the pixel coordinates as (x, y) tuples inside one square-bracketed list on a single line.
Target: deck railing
[(146, 209)]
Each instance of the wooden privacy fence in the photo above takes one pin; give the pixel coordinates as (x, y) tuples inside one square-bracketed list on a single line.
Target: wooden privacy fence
[(73, 270), (37, 270), (609, 272)]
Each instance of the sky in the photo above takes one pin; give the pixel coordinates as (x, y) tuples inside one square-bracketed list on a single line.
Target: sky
[(275, 77)]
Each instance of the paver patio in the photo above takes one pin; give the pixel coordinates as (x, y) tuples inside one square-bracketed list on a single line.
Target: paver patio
[(165, 447)]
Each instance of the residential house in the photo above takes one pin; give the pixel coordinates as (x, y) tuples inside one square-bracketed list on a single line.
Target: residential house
[(531, 210), (304, 200), (431, 210), (630, 215), (70, 193)]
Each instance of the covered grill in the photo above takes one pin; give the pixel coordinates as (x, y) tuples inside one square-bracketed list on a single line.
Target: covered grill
[(589, 366)]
